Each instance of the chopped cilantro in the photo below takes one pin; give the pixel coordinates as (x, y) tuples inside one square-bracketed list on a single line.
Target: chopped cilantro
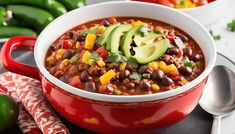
[(158, 32), (135, 76), (95, 56), (231, 26), (215, 37), (133, 62), (188, 63), (93, 31), (179, 42), (116, 59), (146, 75)]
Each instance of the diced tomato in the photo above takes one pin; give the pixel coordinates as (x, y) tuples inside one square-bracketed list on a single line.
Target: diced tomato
[(66, 44), (102, 52), (194, 1), (170, 38), (173, 74), (166, 3), (112, 20), (173, 1), (177, 78), (181, 53), (75, 81), (107, 89), (202, 2), (150, 1)]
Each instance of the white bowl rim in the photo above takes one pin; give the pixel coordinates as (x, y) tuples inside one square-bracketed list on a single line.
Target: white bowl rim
[(126, 99)]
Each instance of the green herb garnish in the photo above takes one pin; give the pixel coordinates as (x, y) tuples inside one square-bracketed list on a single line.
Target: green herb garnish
[(117, 92), (95, 56), (146, 75), (158, 32), (215, 37), (117, 59), (231, 26), (93, 31), (133, 62), (135, 76)]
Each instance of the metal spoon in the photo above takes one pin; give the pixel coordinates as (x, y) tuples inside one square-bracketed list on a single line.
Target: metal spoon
[(218, 97)]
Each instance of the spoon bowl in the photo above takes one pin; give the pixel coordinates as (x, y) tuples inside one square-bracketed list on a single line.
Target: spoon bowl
[(218, 97)]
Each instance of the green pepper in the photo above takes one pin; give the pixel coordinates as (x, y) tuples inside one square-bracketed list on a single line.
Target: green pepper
[(73, 4), (9, 112), (40, 3), (2, 16), (36, 17), (9, 31), (15, 22), (57, 8)]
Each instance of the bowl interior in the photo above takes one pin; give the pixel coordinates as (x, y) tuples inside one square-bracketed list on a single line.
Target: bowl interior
[(124, 8)]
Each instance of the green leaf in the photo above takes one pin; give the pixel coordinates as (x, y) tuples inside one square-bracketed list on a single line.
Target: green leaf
[(231, 26), (116, 59), (95, 56), (133, 62), (215, 37), (93, 31), (135, 76)]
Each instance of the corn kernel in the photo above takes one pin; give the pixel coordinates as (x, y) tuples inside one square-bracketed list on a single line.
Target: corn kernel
[(58, 56), (137, 23), (78, 45), (90, 41), (184, 81), (122, 66), (153, 65), (51, 60), (170, 68), (101, 63), (86, 56), (155, 87), (101, 29), (65, 62), (105, 78), (60, 51), (162, 66)]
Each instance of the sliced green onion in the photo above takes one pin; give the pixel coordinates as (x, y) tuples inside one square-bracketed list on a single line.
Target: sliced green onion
[(146, 75)]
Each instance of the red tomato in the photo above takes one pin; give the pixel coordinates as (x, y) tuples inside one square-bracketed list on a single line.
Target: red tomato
[(112, 20), (202, 2), (107, 89), (166, 3), (170, 38), (75, 81), (181, 52), (66, 44), (194, 1), (102, 52)]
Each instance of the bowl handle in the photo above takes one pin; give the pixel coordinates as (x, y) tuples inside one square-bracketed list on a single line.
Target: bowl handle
[(16, 43)]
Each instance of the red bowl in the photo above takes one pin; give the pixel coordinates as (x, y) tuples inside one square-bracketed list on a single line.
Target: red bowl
[(107, 113)]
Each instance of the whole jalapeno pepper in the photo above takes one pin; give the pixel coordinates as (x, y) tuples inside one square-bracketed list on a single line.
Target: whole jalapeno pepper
[(73, 4), (10, 31)]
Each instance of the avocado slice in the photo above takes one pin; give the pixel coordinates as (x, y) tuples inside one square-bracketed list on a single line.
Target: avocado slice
[(151, 52), (105, 35), (113, 41), (127, 39), (149, 39)]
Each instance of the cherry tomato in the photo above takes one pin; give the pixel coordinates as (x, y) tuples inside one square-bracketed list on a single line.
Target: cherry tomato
[(66, 44), (9, 112)]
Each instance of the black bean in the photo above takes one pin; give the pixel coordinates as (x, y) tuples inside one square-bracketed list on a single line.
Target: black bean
[(195, 57), (77, 37), (68, 54), (131, 85), (167, 59), (94, 70), (126, 81), (158, 75), (124, 74), (90, 86), (105, 23), (69, 34), (131, 91), (173, 51), (64, 78), (185, 70), (145, 84), (182, 37), (188, 51), (85, 76), (167, 81), (146, 70)]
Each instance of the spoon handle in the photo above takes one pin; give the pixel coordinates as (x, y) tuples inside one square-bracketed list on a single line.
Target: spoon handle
[(216, 125)]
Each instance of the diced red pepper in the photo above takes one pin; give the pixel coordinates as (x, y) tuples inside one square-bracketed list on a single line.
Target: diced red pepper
[(202, 2), (194, 1), (66, 44), (75, 81), (181, 53), (102, 52), (177, 78), (166, 3), (173, 74)]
